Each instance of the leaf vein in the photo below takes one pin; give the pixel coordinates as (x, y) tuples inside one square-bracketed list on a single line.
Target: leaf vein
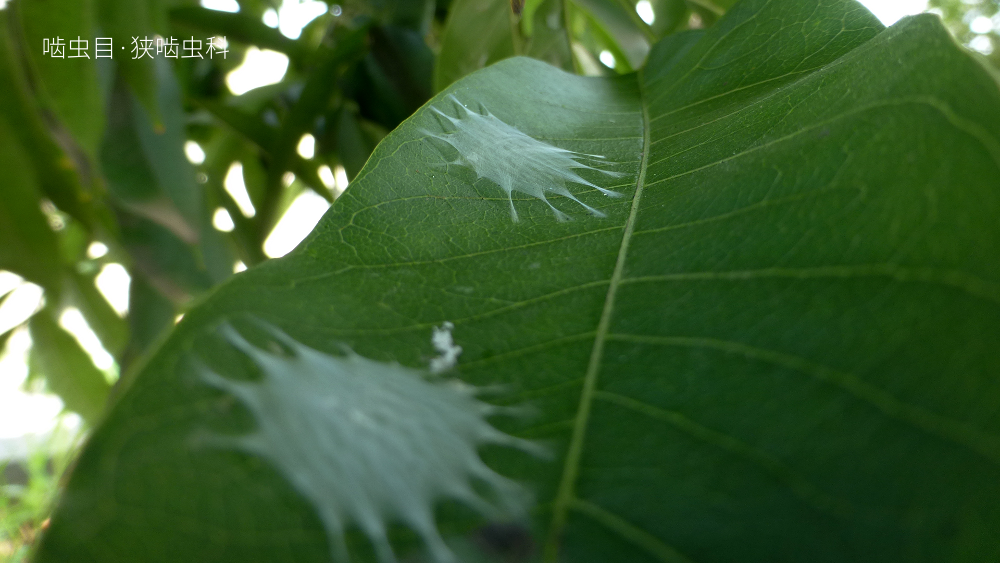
[(951, 430)]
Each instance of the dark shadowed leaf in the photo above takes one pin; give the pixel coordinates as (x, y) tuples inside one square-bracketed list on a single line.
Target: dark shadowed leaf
[(68, 85), (150, 315), (58, 175), (29, 247)]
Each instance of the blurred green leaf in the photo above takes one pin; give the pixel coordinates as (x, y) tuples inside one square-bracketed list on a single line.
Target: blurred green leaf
[(73, 240), (627, 36), (549, 40), (125, 21), (130, 176), (112, 330), (242, 122), (5, 336), (415, 15), (478, 33), (394, 78), (68, 370), (58, 175), (150, 316), (29, 247), (69, 85), (220, 153), (170, 263), (353, 146), (351, 45), (163, 146), (670, 16)]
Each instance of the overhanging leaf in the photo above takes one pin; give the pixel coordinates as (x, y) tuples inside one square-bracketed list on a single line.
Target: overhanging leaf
[(478, 33), (778, 346)]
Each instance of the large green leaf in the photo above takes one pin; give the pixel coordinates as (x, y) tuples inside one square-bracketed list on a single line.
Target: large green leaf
[(777, 345)]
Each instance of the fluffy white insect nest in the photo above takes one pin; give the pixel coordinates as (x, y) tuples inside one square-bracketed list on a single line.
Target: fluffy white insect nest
[(516, 162), (368, 443)]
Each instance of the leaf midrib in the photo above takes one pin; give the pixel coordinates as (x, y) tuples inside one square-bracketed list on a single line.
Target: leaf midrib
[(565, 492)]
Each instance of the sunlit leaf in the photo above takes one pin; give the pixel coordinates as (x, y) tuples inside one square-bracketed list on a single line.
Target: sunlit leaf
[(102, 318), (68, 370), (628, 36)]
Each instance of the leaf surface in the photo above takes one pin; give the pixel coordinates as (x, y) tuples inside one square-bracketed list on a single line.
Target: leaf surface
[(777, 345)]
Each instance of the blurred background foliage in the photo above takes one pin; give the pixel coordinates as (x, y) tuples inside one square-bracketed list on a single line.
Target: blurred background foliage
[(975, 23), (132, 186)]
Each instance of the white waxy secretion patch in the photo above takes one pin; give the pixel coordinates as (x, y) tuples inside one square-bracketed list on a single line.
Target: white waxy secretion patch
[(515, 161), (445, 345), (367, 443)]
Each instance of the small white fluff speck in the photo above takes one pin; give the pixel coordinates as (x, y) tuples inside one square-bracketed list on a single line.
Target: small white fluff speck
[(445, 345)]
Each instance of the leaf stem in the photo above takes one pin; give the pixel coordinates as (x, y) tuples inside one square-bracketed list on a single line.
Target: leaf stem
[(565, 495)]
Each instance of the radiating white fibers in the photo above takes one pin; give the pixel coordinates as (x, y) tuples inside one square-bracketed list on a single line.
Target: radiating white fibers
[(515, 161), (369, 444)]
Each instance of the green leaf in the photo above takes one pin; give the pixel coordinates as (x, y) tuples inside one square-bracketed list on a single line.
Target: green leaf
[(123, 21), (29, 247), (59, 176), (67, 368), (401, 66), (670, 15), (352, 142), (777, 345), (618, 21), (68, 85), (164, 146), (102, 318), (150, 315), (477, 33), (549, 40), (131, 179)]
